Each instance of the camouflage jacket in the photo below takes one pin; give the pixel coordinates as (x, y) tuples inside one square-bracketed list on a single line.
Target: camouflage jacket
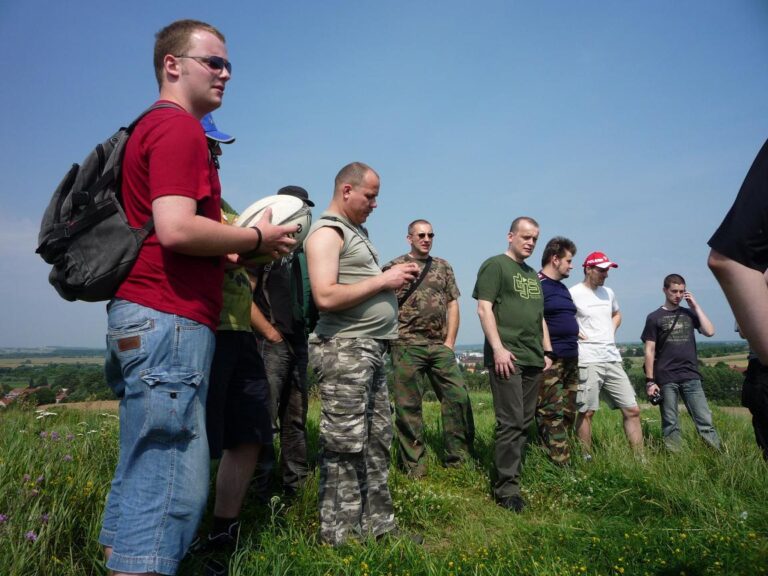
[(422, 319)]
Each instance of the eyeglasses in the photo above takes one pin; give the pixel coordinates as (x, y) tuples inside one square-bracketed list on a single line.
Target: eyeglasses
[(215, 63), (423, 235)]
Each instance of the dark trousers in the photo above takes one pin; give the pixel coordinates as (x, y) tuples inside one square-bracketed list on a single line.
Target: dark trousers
[(754, 395), (514, 403), (286, 366)]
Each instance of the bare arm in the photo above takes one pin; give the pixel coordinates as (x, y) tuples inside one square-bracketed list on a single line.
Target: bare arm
[(546, 344), (747, 294), (181, 229), (503, 359), (649, 352), (705, 324), (616, 319), (452, 321), (322, 249)]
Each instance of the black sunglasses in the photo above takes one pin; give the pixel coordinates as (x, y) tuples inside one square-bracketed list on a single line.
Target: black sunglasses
[(215, 63), (421, 235)]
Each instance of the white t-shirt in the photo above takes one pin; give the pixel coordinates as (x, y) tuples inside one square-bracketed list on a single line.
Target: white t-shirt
[(594, 310)]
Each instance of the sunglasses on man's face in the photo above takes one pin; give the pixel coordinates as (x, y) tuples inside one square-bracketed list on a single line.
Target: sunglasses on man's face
[(423, 235), (215, 63)]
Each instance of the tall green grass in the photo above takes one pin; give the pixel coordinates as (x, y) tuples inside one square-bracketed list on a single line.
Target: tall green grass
[(695, 512)]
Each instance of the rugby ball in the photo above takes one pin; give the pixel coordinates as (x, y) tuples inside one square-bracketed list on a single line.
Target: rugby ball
[(286, 210)]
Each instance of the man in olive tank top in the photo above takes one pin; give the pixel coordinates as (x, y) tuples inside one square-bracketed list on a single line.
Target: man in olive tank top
[(357, 321)]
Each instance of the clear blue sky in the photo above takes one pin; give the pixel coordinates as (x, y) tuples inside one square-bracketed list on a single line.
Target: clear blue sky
[(626, 126)]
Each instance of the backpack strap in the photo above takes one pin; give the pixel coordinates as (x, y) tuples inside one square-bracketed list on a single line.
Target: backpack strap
[(108, 176)]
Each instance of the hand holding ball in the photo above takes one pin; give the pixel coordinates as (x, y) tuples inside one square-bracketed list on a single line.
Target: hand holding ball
[(286, 211)]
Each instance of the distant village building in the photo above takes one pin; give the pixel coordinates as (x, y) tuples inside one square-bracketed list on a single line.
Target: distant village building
[(18, 394), (15, 395), (471, 361)]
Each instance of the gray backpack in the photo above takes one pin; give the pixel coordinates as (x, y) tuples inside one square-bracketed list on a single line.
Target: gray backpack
[(84, 234)]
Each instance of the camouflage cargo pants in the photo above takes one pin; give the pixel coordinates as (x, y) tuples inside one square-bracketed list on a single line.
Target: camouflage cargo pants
[(556, 407), (438, 363), (355, 436)]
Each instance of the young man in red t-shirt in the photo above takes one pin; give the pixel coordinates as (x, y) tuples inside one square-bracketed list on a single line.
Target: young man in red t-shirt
[(162, 320)]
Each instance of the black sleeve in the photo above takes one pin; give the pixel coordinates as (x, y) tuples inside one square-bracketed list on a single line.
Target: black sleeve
[(649, 332), (743, 234)]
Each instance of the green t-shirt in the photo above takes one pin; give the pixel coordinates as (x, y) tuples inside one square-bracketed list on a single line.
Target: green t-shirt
[(236, 290), (518, 307)]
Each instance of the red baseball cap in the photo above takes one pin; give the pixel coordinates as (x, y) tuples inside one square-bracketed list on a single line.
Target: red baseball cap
[(599, 260)]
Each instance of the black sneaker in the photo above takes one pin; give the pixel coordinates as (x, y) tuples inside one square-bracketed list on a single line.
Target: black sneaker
[(221, 542), (514, 503), (214, 568)]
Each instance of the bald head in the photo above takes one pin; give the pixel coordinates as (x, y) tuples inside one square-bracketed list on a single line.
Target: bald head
[(352, 174), (355, 191)]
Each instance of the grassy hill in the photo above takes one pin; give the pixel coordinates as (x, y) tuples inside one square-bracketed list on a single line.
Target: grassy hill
[(697, 512)]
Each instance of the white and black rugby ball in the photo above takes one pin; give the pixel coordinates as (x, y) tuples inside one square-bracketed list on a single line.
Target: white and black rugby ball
[(286, 210)]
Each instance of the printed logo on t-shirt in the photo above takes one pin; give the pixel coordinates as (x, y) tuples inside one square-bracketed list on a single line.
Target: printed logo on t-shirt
[(682, 328), (526, 287)]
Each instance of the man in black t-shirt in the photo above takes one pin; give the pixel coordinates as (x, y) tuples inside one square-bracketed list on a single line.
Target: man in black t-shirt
[(280, 322), (671, 362), (739, 258), (739, 261)]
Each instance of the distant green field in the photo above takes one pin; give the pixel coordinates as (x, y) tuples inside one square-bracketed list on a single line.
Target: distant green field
[(730, 359), (739, 359), (15, 362)]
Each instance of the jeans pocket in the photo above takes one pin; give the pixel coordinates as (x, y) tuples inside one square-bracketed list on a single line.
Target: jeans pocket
[(127, 348), (124, 338), (172, 405)]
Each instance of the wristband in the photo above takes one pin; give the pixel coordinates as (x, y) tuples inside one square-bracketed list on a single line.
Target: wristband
[(258, 244), (648, 381), (550, 354)]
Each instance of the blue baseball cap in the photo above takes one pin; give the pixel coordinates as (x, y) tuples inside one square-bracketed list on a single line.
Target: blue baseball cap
[(213, 133)]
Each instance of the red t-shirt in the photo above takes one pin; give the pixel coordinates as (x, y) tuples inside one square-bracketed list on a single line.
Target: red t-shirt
[(167, 154)]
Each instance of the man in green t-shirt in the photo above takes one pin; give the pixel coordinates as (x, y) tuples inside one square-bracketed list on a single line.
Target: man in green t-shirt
[(517, 348)]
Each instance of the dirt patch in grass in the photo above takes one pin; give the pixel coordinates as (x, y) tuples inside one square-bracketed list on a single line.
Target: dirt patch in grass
[(97, 405), (737, 410)]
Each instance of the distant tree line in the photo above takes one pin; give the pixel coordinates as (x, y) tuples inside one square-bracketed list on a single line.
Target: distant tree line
[(722, 384), (84, 382), (705, 349)]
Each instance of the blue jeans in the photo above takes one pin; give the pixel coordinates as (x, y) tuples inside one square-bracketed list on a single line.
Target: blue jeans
[(158, 366), (696, 403)]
